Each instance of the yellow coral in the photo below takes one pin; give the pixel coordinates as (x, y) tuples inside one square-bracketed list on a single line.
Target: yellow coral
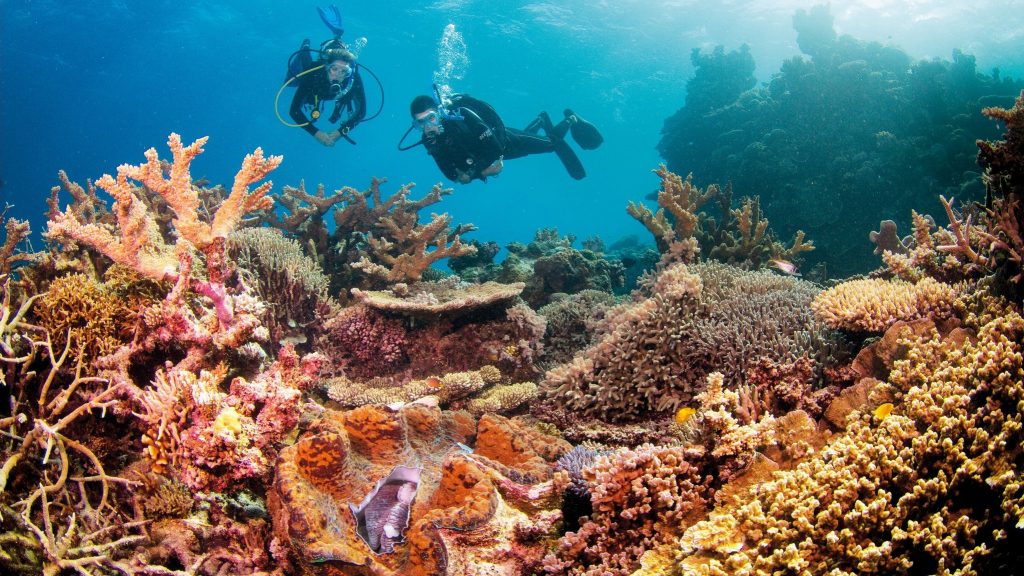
[(873, 305), (912, 490), (228, 424), (502, 398)]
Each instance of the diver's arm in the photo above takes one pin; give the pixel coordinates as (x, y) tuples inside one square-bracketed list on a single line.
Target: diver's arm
[(302, 93)]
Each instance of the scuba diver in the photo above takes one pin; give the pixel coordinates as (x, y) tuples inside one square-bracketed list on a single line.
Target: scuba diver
[(333, 78), (469, 141)]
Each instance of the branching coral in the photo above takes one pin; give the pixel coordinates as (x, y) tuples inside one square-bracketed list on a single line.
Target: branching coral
[(1002, 162), (59, 508), (377, 239), (740, 236), (655, 354), (929, 488), (139, 245), (872, 305)]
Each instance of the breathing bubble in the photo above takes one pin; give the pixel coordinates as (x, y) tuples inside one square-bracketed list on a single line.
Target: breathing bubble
[(452, 60)]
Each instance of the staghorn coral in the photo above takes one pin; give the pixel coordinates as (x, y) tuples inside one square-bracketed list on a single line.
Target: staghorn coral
[(655, 354), (872, 305), (60, 510), (928, 489), (740, 236), (377, 239), (231, 319), (1005, 213), (472, 514)]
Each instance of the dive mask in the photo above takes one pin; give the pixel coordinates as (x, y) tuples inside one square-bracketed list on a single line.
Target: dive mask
[(431, 118)]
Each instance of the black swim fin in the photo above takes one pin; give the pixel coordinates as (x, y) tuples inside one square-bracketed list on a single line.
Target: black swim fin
[(584, 133), (569, 159), (556, 134)]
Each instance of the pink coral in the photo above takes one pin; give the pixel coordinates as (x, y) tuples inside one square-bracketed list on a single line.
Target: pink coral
[(364, 343)]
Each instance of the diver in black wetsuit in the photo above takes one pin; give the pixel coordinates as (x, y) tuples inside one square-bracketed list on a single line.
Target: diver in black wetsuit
[(469, 141), (334, 79)]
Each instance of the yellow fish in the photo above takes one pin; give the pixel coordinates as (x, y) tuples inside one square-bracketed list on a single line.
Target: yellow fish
[(684, 414), (883, 410)]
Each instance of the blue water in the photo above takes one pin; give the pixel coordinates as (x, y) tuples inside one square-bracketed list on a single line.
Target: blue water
[(89, 85)]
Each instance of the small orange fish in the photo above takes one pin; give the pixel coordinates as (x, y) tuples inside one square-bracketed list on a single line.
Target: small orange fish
[(433, 382), (784, 266), (684, 414), (883, 410)]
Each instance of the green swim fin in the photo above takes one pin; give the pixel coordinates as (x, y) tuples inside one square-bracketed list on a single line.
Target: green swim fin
[(584, 133)]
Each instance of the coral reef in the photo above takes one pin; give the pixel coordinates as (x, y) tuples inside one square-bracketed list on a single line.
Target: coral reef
[(185, 390), (927, 488), (655, 353), (845, 134)]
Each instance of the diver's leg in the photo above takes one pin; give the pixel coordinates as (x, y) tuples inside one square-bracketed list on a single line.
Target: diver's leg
[(523, 144)]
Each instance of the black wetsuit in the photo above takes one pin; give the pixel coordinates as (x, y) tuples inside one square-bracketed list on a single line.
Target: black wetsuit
[(314, 91), (479, 139)]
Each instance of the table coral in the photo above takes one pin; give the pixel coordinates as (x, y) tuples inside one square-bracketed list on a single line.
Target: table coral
[(872, 305), (421, 330), (469, 516)]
